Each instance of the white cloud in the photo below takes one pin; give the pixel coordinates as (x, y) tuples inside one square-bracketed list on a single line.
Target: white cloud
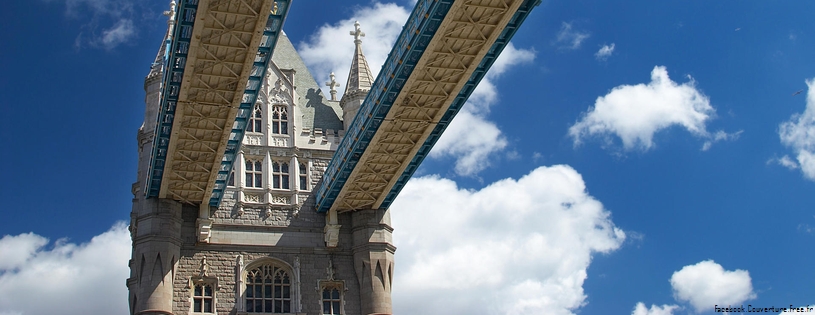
[(720, 135), (635, 113), (798, 133), (526, 244), (569, 38), (784, 161), (706, 284), (119, 33), (471, 138), (604, 52), (87, 277), (114, 17), (16, 250), (641, 309)]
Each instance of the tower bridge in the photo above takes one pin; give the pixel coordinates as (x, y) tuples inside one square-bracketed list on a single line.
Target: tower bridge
[(253, 186)]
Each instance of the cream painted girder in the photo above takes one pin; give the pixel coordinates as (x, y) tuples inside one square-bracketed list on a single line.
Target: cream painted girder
[(225, 39), (458, 47)]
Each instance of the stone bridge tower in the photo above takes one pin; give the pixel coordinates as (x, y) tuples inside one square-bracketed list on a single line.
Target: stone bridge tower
[(265, 250)]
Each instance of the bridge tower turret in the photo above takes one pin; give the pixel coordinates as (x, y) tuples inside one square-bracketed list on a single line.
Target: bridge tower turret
[(359, 80)]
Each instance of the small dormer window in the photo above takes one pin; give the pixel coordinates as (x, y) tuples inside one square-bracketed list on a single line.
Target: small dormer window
[(280, 120)]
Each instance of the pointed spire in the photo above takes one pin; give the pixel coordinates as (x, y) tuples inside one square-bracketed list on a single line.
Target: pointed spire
[(360, 78)]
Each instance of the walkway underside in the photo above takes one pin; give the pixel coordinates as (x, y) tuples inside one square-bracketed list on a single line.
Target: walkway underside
[(217, 58), (444, 51)]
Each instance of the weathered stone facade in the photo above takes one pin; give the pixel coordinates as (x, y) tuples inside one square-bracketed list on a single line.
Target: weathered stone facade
[(266, 220)]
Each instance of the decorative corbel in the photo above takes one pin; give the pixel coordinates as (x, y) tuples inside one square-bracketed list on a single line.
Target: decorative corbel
[(332, 229), (204, 230)]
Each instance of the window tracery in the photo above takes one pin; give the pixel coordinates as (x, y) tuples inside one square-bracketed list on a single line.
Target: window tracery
[(280, 120), (268, 290), (256, 120)]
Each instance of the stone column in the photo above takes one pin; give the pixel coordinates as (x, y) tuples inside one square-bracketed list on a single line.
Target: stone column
[(156, 250), (373, 259)]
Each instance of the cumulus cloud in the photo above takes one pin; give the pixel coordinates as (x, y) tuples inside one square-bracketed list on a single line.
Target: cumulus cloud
[(471, 138), (604, 52), (569, 38), (88, 277), (634, 113), (641, 309), (798, 133), (706, 284), (526, 243)]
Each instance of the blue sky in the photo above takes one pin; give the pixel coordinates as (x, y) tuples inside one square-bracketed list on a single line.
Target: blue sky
[(619, 153)]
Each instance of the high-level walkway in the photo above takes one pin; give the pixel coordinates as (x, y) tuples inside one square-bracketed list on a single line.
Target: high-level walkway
[(444, 50), (216, 56)]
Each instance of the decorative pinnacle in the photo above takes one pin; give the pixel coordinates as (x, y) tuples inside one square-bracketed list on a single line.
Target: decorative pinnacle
[(333, 86), (171, 13), (357, 33)]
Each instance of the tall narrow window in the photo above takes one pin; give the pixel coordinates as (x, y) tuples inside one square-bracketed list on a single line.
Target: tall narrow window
[(231, 180), (268, 290), (303, 177), (202, 298), (256, 121), (331, 300), (280, 120), (280, 175), (254, 174)]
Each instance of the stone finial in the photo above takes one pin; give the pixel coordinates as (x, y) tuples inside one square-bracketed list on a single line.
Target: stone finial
[(333, 86), (330, 270), (357, 33), (170, 13), (204, 268)]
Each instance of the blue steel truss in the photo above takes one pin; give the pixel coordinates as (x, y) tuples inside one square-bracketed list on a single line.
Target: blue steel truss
[(416, 35), (175, 57)]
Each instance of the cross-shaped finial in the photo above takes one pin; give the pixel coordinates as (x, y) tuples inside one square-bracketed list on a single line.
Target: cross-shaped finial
[(333, 86), (357, 33), (171, 12)]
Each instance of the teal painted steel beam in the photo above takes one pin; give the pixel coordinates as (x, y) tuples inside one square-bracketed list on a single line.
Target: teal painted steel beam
[(271, 33), (173, 69)]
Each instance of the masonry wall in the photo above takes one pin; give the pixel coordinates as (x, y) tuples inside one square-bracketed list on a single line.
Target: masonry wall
[(292, 234)]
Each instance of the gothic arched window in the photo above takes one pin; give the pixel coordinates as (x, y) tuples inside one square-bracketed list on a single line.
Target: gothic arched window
[(256, 120), (254, 173), (280, 120), (280, 175), (268, 289)]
